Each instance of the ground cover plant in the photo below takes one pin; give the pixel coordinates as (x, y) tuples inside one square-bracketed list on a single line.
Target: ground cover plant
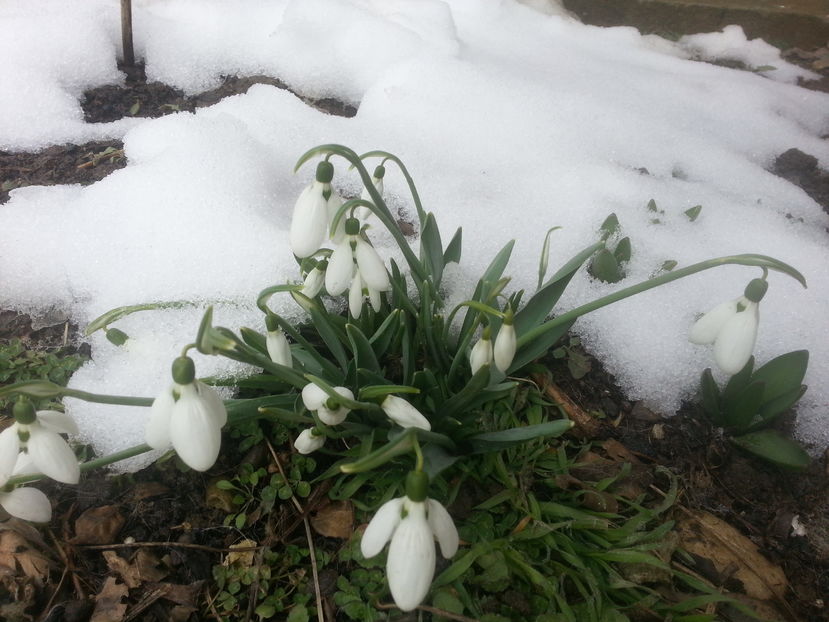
[(365, 378)]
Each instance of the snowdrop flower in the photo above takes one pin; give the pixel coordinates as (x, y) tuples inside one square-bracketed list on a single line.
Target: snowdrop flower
[(328, 409), (308, 441), (351, 256), (189, 415), (312, 212), (314, 280), (481, 353), (732, 327), (277, 344), (357, 294), (38, 434), (404, 414), (505, 344), (411, 523), (27, 504), (377, 181)]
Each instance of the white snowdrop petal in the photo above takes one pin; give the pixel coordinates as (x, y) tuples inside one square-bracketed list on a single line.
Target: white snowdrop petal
[(194, 433), (27, 504), (355, 296), (736, 339), (443, 527), (313, 283), (340, 269), (157, 430), (309, 224), (706, 329), (313, 396), (333, 204), (371, 267), (375, 297), (381, 527), (307, 442), (52, 455), (411, 561), (404, 414), (57, 421), (480, 355), (9, 451), (279, 350), (212, 402), (504, 350)]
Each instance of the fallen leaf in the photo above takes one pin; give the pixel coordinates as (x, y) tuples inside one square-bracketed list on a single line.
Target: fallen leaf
[(17, 552), (618, 452), (242, 558), (731, 553), (145, 490), (98, 525), (334, 520), (108, 606), (142, 568)]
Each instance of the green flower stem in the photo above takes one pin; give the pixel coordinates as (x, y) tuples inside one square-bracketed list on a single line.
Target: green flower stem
[(761, 261), (421, 214), (113, 315), (45, 388), (379, 206)]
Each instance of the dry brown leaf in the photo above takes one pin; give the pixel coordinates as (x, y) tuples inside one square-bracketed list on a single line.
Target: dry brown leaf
[(184, 595), (145, 490), (242, 558), (98, 525), (732, 554), (108, 606), (17, 552), (618, 452), (142, 568), (335, 520)]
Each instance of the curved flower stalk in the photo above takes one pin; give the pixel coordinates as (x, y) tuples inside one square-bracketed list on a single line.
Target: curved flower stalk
[(377, 181), (189, 415), (411, 524), (732, 327), (312, 212), (27, 504), (354, 256), (38, 435), (328, 409), (403, 413)]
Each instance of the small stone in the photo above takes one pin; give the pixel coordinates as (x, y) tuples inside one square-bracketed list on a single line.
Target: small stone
[(641, 413)]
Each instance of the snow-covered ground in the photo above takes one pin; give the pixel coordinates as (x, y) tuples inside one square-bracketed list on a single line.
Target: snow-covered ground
[(511, 117)]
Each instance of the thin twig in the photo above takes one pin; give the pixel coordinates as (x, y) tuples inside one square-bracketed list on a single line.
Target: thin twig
[(183, 545), (308, 535)]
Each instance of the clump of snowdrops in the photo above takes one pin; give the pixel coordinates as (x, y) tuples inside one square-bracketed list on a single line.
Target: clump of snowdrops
[(384, 376)]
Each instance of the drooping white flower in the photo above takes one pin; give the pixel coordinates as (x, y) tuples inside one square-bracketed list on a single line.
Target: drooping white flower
[(354, 255), (481, 353), (312, 213), (27, 504), (505, 344), (189, 415), (732, 327), (278, 347), (357, 294), (308, 442), (327, 408), (314, 280), (39, 435), (412, 527), (403, 413)]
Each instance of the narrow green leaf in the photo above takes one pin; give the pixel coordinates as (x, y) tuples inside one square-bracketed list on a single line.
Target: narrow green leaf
[(544, 258), (609, 226), (710, 397), (737, 384), (769, 410), (539, 346), (605, 267), (402, 444), (770, 446), (460, 400), (453, 249), (623, 250), (362, 350), (385, 333), (431, 248), (744, 407), (330, 335), (381, 390), (494, 441)]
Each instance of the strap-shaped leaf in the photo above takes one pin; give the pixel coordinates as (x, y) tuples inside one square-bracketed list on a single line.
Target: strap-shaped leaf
[(772, 409), (431, 248), (494, 441), (453, 249), (542, 302), (737, 384), (330, 335), (385, 333), (710, 397), (745, 407), (402, 444), (539, 346), (361, 348), (782, 374), (462, 398), (770, 446)]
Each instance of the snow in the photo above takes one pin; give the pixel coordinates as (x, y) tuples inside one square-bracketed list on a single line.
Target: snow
[(512, 118)]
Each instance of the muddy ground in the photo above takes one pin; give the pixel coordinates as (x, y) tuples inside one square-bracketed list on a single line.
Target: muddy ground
[(66, 577)]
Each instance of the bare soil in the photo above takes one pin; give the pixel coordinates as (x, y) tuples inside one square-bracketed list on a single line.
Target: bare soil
[(70, 569)]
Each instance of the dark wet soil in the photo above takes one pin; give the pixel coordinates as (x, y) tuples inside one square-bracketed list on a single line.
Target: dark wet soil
[(164, 505)]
